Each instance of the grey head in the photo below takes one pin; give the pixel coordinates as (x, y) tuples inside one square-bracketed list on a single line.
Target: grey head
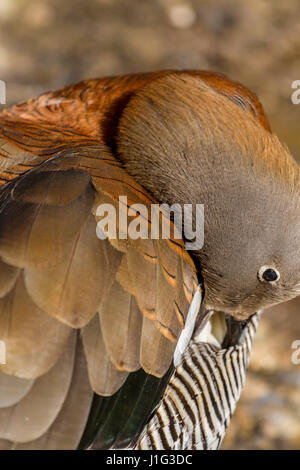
[(188, 144)]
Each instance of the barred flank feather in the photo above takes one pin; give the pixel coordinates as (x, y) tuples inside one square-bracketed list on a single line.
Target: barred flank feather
[(201, 396)]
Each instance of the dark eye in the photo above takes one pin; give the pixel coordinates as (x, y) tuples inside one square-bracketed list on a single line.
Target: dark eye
[(268, 274)]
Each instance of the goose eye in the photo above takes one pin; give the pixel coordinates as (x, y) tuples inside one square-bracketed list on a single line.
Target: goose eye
[(268, 274)]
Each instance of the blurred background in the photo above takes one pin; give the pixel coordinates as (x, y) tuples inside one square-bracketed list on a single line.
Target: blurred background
[(46, 44)]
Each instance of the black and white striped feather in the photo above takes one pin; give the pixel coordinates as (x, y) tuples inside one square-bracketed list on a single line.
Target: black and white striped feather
[(201, 396)]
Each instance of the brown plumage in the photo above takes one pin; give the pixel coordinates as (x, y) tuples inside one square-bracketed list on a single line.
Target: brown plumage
[(173, 137)]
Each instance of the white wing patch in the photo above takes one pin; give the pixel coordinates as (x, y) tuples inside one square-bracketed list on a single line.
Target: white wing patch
[(188, 330)]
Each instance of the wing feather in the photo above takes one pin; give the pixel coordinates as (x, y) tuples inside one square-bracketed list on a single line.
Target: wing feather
[(104, 377), (34, 340), (66, 431), (32, 416), (13, 389), (121, 324)]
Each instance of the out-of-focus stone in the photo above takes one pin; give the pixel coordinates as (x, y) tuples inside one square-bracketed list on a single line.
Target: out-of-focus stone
[(182, 16)]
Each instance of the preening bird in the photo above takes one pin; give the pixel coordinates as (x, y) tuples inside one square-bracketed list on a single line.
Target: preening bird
[(167, 137)]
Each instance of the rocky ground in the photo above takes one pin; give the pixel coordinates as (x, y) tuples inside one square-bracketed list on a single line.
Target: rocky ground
[(45, 44)]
